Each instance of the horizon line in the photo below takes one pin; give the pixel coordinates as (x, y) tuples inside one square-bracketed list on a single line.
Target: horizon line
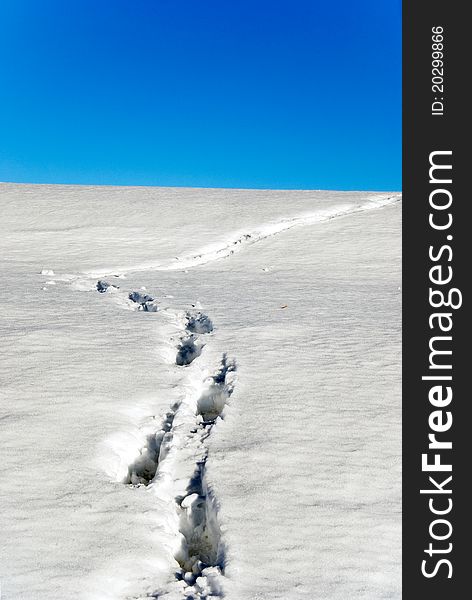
[(202, 187)]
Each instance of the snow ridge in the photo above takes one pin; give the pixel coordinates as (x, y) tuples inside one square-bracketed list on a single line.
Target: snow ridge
[(243, 239)]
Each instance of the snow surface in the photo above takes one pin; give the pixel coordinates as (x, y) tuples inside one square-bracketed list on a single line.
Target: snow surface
[(265, 461)]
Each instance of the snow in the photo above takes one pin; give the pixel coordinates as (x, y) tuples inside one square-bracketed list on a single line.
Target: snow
[(265, 461)]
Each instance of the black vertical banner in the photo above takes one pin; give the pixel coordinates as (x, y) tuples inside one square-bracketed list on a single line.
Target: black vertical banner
[(437, 238)]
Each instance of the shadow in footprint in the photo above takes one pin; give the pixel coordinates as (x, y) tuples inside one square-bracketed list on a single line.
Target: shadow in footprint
[(188, 350), (103, 286), (145, 302), (144, 468), (202, 555), (198, 323)]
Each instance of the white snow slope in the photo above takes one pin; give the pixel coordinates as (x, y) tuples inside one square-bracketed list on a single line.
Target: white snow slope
[(150, 452)]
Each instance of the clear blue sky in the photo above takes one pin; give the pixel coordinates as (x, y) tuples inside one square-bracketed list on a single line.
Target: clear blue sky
[(217, 93)]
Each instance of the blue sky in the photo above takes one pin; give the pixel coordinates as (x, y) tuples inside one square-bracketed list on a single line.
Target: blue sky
[(212, 93)]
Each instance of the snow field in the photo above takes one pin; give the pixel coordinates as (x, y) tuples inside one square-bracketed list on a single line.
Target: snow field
[(135, 476)]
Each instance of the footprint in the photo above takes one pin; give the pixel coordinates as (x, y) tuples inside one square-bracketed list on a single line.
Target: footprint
[(144, 468), (201, 556), (198, 323), (145, 302), (188, 350), (103, 286), (213, 399)]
